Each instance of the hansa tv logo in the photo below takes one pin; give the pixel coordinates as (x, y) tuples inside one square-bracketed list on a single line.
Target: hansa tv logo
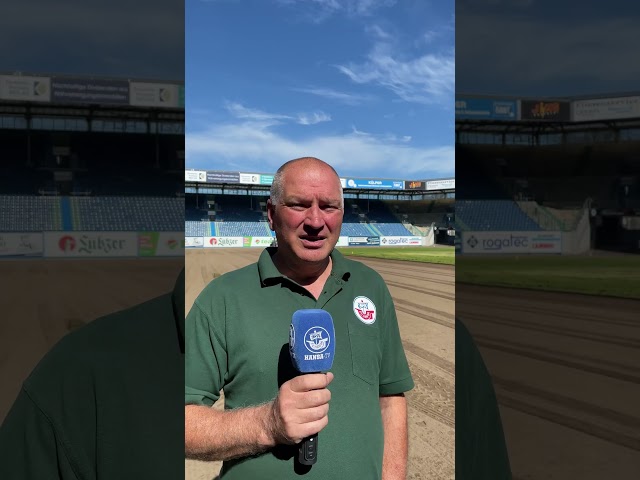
[(316, 341)]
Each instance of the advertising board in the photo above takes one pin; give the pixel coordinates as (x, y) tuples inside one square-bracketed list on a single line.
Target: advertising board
[(363, 241), (161, 244), (372, 183), (250, 178), (343, 242), (400, 241), (222, 242), (544, 110), (162, 95), (414, 185), (195, 176), (486, 109), (511, 242), (83, 90), (443, 184), (257, 241), (216, 176), (25, 88), (20, 244), (605, 109), (191, 242), (90, 244)]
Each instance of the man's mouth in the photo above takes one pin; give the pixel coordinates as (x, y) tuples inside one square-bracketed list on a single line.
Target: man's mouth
[(312, 241)]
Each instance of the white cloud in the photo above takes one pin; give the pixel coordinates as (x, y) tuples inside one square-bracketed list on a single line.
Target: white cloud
[(320, 10), (313, 118), (427, 78), (343, 97), (251, 114), (240, 111), (254, 145)]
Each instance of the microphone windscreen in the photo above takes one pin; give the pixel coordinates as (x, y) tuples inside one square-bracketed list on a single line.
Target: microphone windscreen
[(312, 341)]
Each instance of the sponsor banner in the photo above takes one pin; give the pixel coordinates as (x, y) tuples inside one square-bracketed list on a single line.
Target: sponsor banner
[(17, 87), (195, 176), (605, 109), (445, 184), (395, 241), (511, 242), (161, 244), (382, 184), (191, 242), (414, 185), (90, 244), (258, 241), (343, 182), (250, 178), (486, 109), (83, 90), (161, 95), (221, 242), (343, 242), (363, 241), (215, 176), (266, 179), (13, 244), (553, 111)]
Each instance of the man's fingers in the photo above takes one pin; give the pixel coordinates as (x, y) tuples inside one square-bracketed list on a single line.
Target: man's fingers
[(310, 381), (315, 398)]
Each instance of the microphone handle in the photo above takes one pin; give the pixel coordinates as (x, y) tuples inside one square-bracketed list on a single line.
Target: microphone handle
[(308, 450)]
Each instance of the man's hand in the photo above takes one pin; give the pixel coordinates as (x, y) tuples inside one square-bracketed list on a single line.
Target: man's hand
[(301, 408)]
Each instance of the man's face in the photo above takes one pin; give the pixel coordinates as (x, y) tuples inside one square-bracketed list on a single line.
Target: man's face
[(308, 220)]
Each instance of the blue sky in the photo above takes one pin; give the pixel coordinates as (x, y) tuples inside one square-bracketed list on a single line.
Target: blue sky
[(366, 85)]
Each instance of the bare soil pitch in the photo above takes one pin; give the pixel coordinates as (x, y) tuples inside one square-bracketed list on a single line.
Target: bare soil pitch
[(424, 296)]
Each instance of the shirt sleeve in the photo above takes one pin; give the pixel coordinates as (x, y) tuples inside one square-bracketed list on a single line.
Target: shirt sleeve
[(395, 376), (30, 447), (205, 353)]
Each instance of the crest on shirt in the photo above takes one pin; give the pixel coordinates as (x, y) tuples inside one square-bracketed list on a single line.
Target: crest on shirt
[(364, 309)]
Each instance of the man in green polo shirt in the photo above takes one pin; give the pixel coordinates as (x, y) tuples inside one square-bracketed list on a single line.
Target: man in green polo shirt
[(237, 341)]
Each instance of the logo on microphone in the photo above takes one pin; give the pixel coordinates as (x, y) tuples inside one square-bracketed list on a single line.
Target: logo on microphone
[(316, 340), (364, 309)]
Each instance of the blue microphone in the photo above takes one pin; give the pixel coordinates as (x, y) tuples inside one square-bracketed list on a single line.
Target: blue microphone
[(312, 345)]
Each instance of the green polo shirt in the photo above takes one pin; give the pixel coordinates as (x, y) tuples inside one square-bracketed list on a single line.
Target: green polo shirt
[(237, 337), (105, 402)]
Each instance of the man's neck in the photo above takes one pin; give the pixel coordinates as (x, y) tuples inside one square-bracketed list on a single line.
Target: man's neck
[(303, 274)]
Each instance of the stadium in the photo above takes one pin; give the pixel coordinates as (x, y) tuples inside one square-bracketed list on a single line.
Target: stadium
[(386, 222), (228, 209), (548, 216), (91, 205)]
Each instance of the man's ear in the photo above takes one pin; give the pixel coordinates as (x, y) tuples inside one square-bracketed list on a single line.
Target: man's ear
[(270, 213)]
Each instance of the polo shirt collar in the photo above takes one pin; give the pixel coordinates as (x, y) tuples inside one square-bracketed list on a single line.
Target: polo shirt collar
[(268, 272)]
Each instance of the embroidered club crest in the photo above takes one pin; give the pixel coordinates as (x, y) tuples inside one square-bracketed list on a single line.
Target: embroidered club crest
[(364, 309)]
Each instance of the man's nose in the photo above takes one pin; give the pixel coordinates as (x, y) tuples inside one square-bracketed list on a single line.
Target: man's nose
[(314, 217)]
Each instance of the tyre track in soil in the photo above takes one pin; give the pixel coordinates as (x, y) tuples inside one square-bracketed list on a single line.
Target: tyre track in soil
[(614, 374), (401, 305), (568, 421), (426, 291), (562, 331), (432, 395), (533, 348), (543, 312), (433, 268)]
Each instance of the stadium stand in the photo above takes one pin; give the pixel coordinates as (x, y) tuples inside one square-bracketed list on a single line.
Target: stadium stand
[(494, 215), (24, 213)]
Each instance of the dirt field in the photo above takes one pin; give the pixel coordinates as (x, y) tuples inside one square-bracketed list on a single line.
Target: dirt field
[(567, 374), (424, 298), (42, 300)]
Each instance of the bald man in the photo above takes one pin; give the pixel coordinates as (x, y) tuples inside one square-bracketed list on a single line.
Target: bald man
[(237, 341)]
